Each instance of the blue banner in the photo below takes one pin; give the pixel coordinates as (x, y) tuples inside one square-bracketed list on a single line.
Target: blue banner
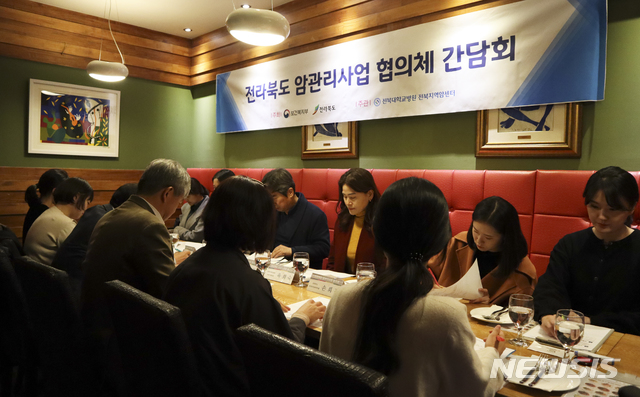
[(526, 53)]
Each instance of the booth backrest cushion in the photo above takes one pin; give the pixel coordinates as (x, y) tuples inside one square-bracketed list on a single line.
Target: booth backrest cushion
[(549, 203)]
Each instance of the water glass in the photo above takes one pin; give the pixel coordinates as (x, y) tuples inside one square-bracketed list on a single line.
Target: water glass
[(301, 264), (569, 329), (520, 312), (263, 261), (175, 237), (365, 271)]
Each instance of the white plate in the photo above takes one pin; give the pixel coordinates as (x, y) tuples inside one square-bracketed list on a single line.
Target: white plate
[(478, 312), (565, 379)]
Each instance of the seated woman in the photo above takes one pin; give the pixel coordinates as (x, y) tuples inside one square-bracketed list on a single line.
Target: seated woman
[(596, 270), (71, 198), (218, 292), (188, 224), (423, 343), (40, 197), (496, 241), (221, 176), (352, 238)]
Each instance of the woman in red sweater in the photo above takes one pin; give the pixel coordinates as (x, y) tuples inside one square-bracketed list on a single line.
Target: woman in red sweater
[(352, 237)]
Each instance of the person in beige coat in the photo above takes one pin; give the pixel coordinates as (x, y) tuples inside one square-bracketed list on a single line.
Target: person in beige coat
[(423, 343), (71, 198), (496, 241)]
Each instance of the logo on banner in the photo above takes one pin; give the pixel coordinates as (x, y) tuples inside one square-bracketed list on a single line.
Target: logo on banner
[(316, 110), (286, 113), (376, 101)]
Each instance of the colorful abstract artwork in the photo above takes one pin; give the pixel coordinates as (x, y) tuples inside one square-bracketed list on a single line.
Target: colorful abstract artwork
[(73, 120)]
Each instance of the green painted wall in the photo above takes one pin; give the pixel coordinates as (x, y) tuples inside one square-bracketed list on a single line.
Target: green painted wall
[(157, 120), (160, 120)]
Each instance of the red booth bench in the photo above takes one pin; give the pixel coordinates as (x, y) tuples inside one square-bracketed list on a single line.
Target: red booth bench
[(549, 203)]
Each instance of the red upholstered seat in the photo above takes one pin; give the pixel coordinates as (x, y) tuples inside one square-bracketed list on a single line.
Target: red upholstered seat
[(549, 203)]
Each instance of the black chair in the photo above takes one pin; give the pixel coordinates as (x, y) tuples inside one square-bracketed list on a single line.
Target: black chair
[(154, 345), (9, 241), (275, 364), (57, 330), (17, 348)]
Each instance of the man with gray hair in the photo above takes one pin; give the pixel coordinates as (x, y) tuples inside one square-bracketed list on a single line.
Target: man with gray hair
[(132, 244)]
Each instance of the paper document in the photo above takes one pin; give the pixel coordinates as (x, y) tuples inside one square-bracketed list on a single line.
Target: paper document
[(481, 345), (181, 245), (295, 306), (593, 337), (466, 288), (331, 273)]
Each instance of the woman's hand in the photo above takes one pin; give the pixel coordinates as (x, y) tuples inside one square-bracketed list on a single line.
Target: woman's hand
[(484, 298), (312, 310), (496, 339), (181, 256), (283, 307)]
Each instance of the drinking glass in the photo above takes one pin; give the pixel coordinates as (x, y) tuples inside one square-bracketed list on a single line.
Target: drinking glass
[(365, 271), (301, 264), (520, 312), (569, 329), (175, 237), (263, 261)]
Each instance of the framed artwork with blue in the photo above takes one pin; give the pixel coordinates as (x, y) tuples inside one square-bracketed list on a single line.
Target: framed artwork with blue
[(531, 131), (73, 120), (330, 141)]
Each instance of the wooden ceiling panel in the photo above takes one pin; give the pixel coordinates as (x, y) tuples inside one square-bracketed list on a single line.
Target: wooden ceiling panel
[(43, 33)]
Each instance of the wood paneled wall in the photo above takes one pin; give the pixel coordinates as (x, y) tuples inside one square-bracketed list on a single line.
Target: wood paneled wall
[(42, 33), (15, 180)]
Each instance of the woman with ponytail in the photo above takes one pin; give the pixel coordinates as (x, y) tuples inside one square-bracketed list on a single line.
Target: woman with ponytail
[(40, 196), (423, 343)]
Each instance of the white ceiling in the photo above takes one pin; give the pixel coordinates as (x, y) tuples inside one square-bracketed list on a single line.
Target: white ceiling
[(168, 16)]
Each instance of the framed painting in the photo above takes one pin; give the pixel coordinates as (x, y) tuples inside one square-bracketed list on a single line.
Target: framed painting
[(531, 131), (73, 120), (330, 141)]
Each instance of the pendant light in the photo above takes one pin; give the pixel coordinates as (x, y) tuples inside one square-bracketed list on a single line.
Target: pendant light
[(108, 71), (258, 27)]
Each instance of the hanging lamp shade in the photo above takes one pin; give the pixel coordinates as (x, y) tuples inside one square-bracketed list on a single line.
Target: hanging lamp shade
[(107, 71), (258, 27)]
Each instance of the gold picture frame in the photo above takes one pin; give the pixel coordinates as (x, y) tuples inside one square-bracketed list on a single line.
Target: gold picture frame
[(556, 131), (330, 141)]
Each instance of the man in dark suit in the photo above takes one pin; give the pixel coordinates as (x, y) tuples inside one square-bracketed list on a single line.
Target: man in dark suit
[(72, 252), (301, 226), (132, 244)]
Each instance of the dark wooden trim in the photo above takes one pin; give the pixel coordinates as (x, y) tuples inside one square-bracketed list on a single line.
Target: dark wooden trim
[(43, 33)]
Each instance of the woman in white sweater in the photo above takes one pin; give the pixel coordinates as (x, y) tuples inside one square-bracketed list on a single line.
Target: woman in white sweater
[(71, 198), (423, 343)]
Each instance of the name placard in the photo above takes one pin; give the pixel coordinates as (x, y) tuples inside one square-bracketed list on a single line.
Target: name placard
[(279, 273), (324, 285)]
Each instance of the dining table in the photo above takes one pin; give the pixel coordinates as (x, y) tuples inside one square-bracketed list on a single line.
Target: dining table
[(624, 347)]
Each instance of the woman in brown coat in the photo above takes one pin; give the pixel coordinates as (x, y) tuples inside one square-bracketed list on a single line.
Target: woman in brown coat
[(496, 241)]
